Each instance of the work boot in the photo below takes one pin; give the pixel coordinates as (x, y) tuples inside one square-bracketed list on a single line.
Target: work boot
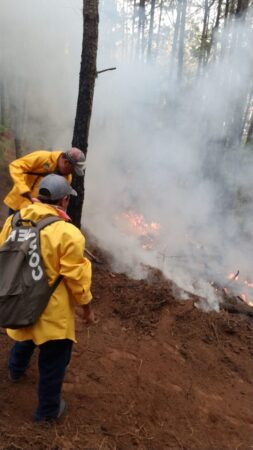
[(61, 412)]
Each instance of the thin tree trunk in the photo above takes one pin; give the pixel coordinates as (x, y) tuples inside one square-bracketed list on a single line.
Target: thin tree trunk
[(85, 99), (173, 61), (159, 26), (242, 7), (250, 131), (151, 28), (203, 46), (181, 41), (135, 15), (141, 26), (214, 30), (247, 118)]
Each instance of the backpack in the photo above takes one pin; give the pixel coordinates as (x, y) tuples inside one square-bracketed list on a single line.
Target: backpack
[(24, 288)]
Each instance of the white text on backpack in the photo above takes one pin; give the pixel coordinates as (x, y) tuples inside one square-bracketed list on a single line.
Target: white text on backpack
[(34, 257)]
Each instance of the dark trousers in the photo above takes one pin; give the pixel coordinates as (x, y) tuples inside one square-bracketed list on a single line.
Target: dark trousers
[(54, 356)]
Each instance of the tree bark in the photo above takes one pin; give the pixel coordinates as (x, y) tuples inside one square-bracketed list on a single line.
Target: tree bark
[(214, 30), (87, 78), (151, 29), (204, 35), (181, 41), (141, 34), (159, 26), (249, 138), (173, 61)]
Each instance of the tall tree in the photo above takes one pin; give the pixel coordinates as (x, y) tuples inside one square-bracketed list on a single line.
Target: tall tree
[(141, 31), (87, 78), (151, 28), (178, 44), (204, 36), (250, 131)]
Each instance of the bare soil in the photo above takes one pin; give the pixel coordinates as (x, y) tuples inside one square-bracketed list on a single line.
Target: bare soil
[(154, 373)]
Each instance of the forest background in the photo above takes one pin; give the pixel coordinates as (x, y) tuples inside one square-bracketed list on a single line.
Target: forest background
[(171, 136)]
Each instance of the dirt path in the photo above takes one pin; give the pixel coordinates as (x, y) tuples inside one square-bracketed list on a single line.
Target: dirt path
[(170, 378)]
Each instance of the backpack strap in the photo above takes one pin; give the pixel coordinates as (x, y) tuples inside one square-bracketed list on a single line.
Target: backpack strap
[(39, 225), (15, 218), (43, 223), (47, 221)]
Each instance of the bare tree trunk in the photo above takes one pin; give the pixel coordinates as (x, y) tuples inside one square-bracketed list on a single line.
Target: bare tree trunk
[(173, 61), (242, 7), (214, 29), (247, 117), (250, 131), (132, 42), (181, 41), (141, 27), (151, 28), (159, 25), (203, 44), (85, 99)]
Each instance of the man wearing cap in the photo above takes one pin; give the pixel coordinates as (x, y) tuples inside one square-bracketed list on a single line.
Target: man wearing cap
[(62, 251), (27, 171)]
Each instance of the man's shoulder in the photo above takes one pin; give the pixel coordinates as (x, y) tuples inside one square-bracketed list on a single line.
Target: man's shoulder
[(48, 154), (68, 228), (68, 234), (37, 152)]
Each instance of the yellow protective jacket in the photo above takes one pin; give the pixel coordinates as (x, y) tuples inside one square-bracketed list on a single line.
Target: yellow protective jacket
[(62, 251), (39, 162)]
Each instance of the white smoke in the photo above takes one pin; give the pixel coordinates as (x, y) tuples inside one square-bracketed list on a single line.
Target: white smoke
[(167, 162), (155, 147), (40, 49)]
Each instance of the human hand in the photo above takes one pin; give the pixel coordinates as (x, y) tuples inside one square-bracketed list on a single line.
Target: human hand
[(89, 317)]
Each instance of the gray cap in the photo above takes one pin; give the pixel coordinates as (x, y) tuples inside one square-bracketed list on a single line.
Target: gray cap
[(57, 187), (76, 157)]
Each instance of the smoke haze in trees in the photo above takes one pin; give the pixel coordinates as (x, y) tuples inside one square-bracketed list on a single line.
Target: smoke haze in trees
[(40, 61), (165, 150)]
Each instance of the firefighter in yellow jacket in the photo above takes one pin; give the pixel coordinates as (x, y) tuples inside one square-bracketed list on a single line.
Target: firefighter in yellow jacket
[(62, 251), (27, 171)]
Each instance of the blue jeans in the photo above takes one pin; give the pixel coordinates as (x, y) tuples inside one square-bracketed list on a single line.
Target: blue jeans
[(54, 356)]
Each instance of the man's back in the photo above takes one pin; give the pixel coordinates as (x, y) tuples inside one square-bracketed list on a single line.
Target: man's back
[(27, 172), (62, 251)]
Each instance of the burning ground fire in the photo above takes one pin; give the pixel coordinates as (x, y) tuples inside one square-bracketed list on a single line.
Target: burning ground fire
[(244, 285), (238, 288), (135, 223)]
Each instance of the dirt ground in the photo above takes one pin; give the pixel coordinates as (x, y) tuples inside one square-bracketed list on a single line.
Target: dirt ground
[(154, 373)]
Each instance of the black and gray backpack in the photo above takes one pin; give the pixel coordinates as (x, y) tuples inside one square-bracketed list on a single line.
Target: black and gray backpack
[(24, 288)]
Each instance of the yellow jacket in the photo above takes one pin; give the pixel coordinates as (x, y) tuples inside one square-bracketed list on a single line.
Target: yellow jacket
[(41, 161), (62, 251)]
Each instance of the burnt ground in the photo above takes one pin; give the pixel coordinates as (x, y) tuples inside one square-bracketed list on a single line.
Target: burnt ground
[(154, 373)]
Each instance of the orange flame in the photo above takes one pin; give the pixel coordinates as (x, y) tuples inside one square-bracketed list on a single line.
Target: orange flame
[(136, 224), (244, 297)]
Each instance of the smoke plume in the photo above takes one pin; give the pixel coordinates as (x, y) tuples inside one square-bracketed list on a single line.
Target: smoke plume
[(165, 151)]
